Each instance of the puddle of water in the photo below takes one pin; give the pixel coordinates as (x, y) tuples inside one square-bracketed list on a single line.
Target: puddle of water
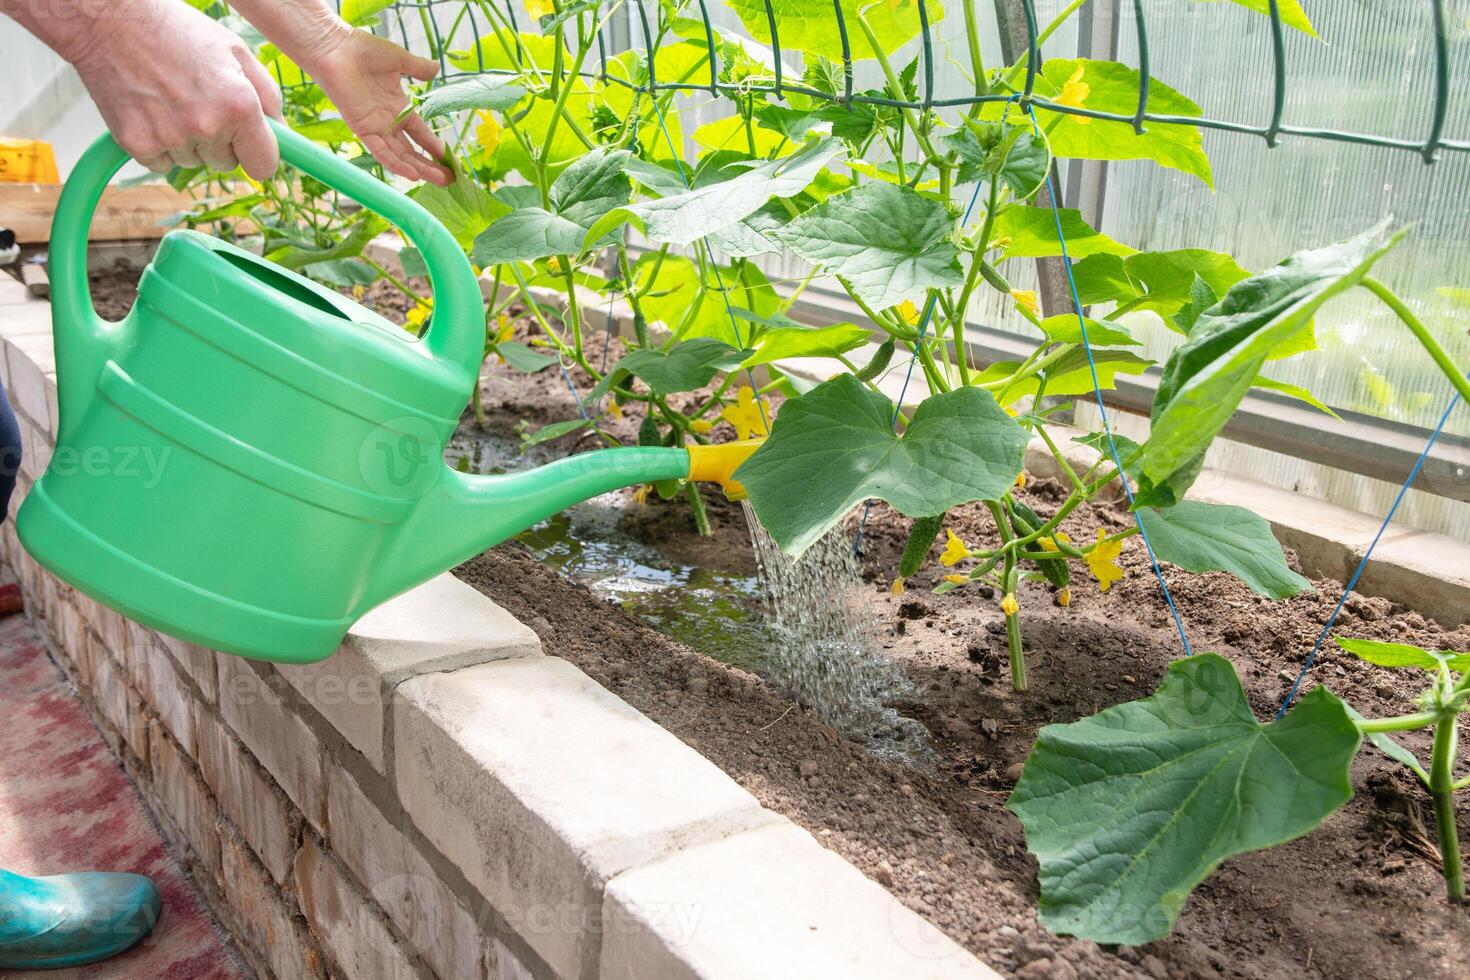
[(715, 612)]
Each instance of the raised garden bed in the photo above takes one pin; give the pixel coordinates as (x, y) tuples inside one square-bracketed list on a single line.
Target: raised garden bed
[(1332, 904)]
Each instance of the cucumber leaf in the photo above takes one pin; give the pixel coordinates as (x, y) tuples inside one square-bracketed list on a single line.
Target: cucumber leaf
[(1128, 810), (688, 215), (684, 367), (886, 243), (1109, 86), (811, 26), (1161, 282), (1291, 12), (1201, 537), (475, 92), (784, 342), (835, 446), (1403, 655), (581, 194), (521, 357), (1205, 378), (1024, 232)]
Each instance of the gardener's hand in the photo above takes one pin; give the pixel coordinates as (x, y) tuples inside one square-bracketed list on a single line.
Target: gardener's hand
[(176, 88), (363, 76)]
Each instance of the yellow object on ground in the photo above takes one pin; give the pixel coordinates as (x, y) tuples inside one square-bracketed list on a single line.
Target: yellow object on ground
[(27, 162), (717, 464)]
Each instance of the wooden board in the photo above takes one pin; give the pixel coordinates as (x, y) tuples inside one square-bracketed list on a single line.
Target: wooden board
[(126, 214)]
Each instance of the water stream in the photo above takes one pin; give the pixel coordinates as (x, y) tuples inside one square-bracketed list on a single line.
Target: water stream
[(802, 625)]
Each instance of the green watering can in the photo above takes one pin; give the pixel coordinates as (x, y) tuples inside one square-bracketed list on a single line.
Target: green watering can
[(250, 461)]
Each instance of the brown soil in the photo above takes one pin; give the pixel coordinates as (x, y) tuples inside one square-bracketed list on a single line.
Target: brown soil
[(1359, 897)]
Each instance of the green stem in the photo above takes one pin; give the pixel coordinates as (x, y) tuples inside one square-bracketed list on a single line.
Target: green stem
[(1391, 300), (1442, 791), (897, 88), (1398, 723), (696, 504)]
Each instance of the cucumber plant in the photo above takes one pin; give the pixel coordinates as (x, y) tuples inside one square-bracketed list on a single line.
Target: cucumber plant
[(574, 183), (1127, 811)]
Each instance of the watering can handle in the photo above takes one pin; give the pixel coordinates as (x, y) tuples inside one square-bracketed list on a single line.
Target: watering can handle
[(457, 331)]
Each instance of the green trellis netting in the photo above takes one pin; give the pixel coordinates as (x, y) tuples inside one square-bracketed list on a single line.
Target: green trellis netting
[(436, 23)]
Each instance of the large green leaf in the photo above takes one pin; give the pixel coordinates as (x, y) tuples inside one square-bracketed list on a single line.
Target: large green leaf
[(464, 207), (1128, 810), (1072, 374), (1157, 281), (684, 217), (1403, 655), (835, 447), (1064, 328), (811, 26), (1201, 537), (358, 13), (583, 193), (475, 92), (755, 235), (886, 243), (684, 367), (1205, 378), (1029, 233), (784, 342), (1108, 86)]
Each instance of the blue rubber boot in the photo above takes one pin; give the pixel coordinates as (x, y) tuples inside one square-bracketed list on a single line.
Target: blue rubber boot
[(69, 920)]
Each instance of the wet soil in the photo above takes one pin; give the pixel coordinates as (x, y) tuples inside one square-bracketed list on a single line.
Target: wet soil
[(1360, 897)]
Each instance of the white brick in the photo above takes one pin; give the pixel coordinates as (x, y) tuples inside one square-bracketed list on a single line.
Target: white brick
[(186, 800), (399, 879), (154, 675), (199, 663), (285, 745), (769, 903), (507, 967), (13, 293), (440, 625), (541, 785), (247, 797), (1428, 572), (262, 922), (30, 358), (28, 317), (350, 928)]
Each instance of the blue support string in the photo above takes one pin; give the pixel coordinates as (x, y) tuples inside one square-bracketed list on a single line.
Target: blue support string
[(1101, 408), (1363, 562)]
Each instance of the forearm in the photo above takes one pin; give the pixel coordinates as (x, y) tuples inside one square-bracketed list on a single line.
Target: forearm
[(305, 30), (71, 28)]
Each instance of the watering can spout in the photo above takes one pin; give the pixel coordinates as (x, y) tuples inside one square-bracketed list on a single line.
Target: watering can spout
[(465, 513)]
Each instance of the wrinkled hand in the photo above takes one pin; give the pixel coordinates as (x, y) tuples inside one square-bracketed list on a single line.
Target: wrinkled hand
[(363, 76), (176, 88)]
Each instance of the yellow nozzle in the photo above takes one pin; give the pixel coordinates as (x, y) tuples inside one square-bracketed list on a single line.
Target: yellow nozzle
[(717, 464)]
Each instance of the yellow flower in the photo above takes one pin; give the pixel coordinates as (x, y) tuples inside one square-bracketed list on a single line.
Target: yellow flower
[(614, 409), (1064, 598), (954, 550), (958, 579), (420, 312), (700, 426), (487, 134), (1021, 480), (897, 587), (640, 496), (1009, 605), (1026, 300), (554, 264), (1101, 561), (540, 8), (504, 329), (358, 292), (909, 312), (1050, 544), (1074, 93), (746, 414)]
